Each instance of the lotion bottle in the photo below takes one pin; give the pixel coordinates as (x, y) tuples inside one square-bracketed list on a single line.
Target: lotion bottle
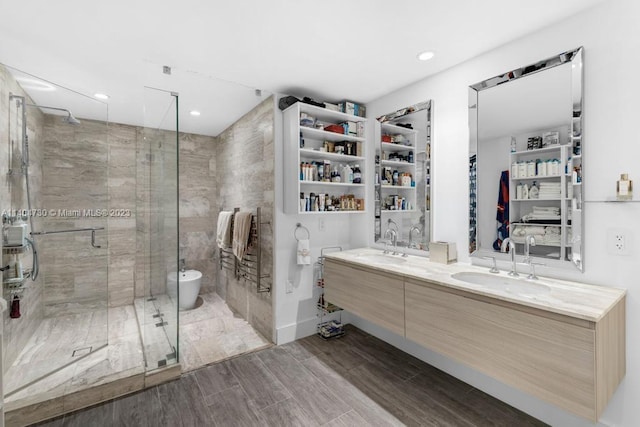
[(624, 188)]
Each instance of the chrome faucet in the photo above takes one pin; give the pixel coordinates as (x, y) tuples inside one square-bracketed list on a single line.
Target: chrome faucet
[(183, 265), (529, 241), (392, 240), (416, 228), (509, 245)]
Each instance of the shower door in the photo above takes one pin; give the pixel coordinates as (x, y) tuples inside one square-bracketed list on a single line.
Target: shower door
[(58, 185), (157, 229)]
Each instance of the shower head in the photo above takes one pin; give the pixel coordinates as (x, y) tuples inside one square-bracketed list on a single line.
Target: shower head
[(70, 119)]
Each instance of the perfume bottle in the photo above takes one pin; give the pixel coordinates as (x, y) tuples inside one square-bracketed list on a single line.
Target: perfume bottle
[(624, 188)]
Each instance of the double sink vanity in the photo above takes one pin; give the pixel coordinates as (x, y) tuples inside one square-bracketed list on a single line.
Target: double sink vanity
[(561, 341)]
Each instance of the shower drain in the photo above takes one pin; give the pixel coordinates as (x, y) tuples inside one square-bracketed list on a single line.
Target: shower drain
[(81, 351)]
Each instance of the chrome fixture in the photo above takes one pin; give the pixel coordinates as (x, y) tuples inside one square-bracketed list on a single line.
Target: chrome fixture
[(532, 273), (391, 240), (183, 265), (529, 241), (416, 228), (493, 269), (509, 245)]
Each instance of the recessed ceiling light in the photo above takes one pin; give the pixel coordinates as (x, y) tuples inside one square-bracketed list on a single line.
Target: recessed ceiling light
[(194, 113), (425, 56), (101, 96)]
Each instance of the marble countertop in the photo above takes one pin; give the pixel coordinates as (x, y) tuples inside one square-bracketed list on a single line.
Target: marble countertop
[(578, 300)]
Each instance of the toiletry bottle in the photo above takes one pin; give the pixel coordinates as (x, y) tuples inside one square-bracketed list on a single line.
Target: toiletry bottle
[(624, 188), (395, 177), (410, 158), (357, 175), (513, 144), (303, 205), (525, 191), (534, 191), (514, 170), (531, 169), (522, 169), (519, 191)]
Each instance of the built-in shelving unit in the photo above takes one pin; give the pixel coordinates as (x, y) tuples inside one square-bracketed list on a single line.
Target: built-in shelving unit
[(314, 154), (397, 165), (548, 216)]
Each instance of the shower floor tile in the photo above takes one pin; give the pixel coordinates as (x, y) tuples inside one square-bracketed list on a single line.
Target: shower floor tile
[(52, 346), (211, 333)]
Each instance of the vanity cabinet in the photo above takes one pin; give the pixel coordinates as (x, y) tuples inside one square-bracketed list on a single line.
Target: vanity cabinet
[(572, 363), (368, 294), (312, 153), (575, 362)]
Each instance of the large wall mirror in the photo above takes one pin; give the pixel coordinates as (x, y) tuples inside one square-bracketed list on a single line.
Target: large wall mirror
[(403, 176), (525, 162)]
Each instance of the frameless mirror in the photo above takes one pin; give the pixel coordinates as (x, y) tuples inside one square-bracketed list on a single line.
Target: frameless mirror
[(525, 162), (403, 176)]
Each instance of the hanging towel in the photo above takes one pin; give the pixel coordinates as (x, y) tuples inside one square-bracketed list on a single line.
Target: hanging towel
[(502, 212), (304, 255), (223, 234), (241, 231)]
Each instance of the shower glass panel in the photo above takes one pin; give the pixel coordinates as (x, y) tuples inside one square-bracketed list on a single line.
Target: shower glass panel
[(57, 184), (157, 225)]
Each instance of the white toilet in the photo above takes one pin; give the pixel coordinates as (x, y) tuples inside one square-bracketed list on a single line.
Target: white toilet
[(188, 282)]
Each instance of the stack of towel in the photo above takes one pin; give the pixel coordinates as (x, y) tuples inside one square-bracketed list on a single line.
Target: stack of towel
[(544, 235), (223, 233), (241, 234), (543, 213), (549, 190)]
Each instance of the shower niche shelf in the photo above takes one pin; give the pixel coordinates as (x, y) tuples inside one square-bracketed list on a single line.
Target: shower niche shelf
[(14, 250)]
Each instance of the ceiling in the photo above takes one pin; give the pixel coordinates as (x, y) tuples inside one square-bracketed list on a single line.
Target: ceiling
[(220, 52)]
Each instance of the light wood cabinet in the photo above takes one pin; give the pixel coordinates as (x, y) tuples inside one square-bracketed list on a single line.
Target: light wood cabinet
[(371, 295), (571, 362)]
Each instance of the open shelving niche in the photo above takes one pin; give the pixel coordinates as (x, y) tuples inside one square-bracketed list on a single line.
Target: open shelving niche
[(329, 314), (569, 200), (314, 143)]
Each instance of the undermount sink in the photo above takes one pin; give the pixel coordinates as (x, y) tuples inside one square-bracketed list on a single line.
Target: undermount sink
[(381, 259), (507, 284)]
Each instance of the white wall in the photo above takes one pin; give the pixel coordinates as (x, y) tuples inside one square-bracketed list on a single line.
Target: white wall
[(610, 35), (295, 312)]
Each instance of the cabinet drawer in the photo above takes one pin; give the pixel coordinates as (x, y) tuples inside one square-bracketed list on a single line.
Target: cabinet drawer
[(371, 295), (545, 357)]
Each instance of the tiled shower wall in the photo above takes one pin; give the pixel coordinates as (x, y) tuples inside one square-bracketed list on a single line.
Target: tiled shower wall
[(245, 179), (198, 214), (13, 196)]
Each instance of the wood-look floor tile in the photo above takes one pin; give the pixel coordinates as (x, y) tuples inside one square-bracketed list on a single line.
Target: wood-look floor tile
[(405, 402), (287, 413), (350, 419), (370, 410), (142, 409), (498, 413), (384, 355), (214, 379), (97, 416), (312, 395), (259, 383), (232, 407), (183, 403)]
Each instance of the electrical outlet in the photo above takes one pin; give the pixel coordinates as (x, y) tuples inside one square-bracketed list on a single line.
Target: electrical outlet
[(618, 241), (321, 224), (289, 287)]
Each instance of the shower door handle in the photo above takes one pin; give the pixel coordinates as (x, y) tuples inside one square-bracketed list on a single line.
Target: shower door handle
[(93, 239)]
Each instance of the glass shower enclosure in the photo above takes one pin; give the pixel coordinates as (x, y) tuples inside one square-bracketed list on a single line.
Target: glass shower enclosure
[(157, 229), (56, 174)]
